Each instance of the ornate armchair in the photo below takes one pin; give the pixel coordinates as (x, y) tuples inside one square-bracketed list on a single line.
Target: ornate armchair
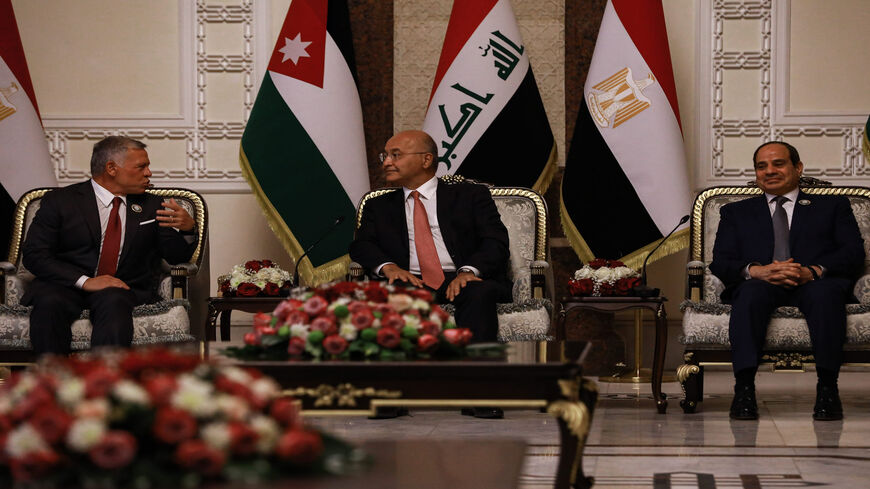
[(178, 317), (528, 318), (787, 346)]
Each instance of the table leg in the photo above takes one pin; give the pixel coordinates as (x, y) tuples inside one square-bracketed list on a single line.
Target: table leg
[(211, 323), (659, 359), (574, 413), (225, 324)]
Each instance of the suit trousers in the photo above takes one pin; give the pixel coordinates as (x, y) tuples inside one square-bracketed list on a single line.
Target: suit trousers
[(56, 307), (475, 305), (823, 303)]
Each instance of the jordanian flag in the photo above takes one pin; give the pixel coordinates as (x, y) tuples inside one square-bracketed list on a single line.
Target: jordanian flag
[(24, 158), (303, 151), (485, 112), (625, 184)]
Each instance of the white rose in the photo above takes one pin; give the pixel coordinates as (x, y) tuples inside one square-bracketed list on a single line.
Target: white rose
[(23, 440), (194, 396), (420, 305), (267, 433), (603, 274), (93, 408), (265, 388), (236, 375), (232, 407), (348, 331), (216, 435), (585, 272), (400, 302), (300, 330), (412, 320), (71, 392), (84, 433), (131, 392)]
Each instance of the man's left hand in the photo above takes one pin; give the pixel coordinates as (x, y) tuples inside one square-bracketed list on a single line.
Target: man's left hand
[(174, 216), (459, 283)]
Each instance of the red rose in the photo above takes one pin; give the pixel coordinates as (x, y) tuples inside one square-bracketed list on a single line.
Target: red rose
[(51, 422), (33, 466), (388, 337), (160, 388), (334, 344), (199, 457), (580, 287), (342, 289), (296, 317), (267, 263), (598, 263), (375, 293), (115, 450), (252, 339), (421, 294), (605, 289), (325, 324), (38, 396), (429, 327), (616, 263), (296, 346), (441, 313), (224, 384), (315, 306), (285, 307), (392, 320), (384, 309), (456, 336), (427, 342), (247, 289), (624, 285), (268, 331), (262, 319), (362, 319), (173, 425), (285, 411), (357, 306), (253, 265), (100, 381), (225, 288), (243, 438), (299, 446), (271, 289)]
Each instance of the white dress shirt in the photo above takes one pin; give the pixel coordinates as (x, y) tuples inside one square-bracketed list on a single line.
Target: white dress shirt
[(104, 206)]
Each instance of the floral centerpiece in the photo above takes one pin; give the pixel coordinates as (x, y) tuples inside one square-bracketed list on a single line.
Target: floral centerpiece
[(602, 277), (153, 418), (356, 321), (255, 278)]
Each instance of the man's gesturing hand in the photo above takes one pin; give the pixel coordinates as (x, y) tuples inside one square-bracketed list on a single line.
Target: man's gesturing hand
[(101, 282), (459, 283), (393, 272), (174, 216)]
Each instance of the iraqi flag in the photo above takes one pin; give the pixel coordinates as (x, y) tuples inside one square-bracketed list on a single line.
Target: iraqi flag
[(303, 150), (485, 112), (24, 159), (625, 184)]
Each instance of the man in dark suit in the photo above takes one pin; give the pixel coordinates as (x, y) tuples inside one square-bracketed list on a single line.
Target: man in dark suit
[(787, 248), (97, 245)]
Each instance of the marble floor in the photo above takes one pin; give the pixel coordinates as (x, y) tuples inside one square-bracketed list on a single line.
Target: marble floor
[(631, 446)]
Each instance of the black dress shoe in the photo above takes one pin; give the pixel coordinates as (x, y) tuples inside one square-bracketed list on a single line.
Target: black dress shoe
[(483, 412), (389, 412), (744, 406), (828, 406)]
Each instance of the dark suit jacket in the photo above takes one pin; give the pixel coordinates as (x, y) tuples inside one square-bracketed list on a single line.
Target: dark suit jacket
[(824, 232), (469, 222), (63, 242)]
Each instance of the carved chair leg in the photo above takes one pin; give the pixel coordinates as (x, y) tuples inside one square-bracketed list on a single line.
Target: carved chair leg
[(691, 377)]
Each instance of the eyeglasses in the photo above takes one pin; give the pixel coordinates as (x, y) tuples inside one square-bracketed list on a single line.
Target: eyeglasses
[(395, 155)]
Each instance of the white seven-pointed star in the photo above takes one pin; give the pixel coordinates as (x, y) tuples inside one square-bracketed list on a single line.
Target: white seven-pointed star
[(294, 49)]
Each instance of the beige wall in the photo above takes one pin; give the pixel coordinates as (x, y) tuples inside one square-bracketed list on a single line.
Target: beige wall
[(182, 75)]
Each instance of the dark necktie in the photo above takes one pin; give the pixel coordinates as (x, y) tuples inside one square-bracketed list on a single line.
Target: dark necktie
[(427, 255), (780, 230), (111, 242)]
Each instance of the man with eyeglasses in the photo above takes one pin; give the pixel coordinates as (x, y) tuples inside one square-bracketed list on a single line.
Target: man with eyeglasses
[(448, 238)]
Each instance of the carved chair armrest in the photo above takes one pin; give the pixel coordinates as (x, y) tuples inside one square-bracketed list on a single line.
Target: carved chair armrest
[(6, 269), (539, 278), (180, 274)]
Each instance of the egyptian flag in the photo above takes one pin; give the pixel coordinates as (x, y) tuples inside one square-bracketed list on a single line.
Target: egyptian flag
[(303, 151), (24, 158), (625, 184), (485, 112)]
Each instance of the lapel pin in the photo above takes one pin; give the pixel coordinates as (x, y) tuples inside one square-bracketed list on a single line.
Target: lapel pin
[(136, 208), (804, 202)]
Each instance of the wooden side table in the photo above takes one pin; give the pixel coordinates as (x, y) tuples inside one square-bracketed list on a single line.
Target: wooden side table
[(615, 304), (224, 306)]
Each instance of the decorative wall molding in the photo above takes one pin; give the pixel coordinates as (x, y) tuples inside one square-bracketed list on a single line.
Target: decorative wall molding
[(775, 120)]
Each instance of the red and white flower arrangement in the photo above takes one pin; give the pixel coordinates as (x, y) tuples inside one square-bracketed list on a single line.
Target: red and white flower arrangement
[(602, 277), (255, 278), (151, 418), (354, 320)]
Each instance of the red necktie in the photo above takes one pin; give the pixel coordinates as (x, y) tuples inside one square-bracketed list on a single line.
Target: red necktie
[(427, 255), (111, 242)]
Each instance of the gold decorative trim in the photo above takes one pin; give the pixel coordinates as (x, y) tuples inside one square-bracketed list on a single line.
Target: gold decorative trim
[(687, 357), (548, 172), (685, 370), (423, 403), (697, 230), (329, 271), (535, 197), (788, 360), (18, 221), (576, 416), (342, 394)]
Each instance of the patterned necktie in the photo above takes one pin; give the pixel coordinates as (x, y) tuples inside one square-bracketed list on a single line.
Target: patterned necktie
[(111, 242), (781, 250), (427, 255)]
